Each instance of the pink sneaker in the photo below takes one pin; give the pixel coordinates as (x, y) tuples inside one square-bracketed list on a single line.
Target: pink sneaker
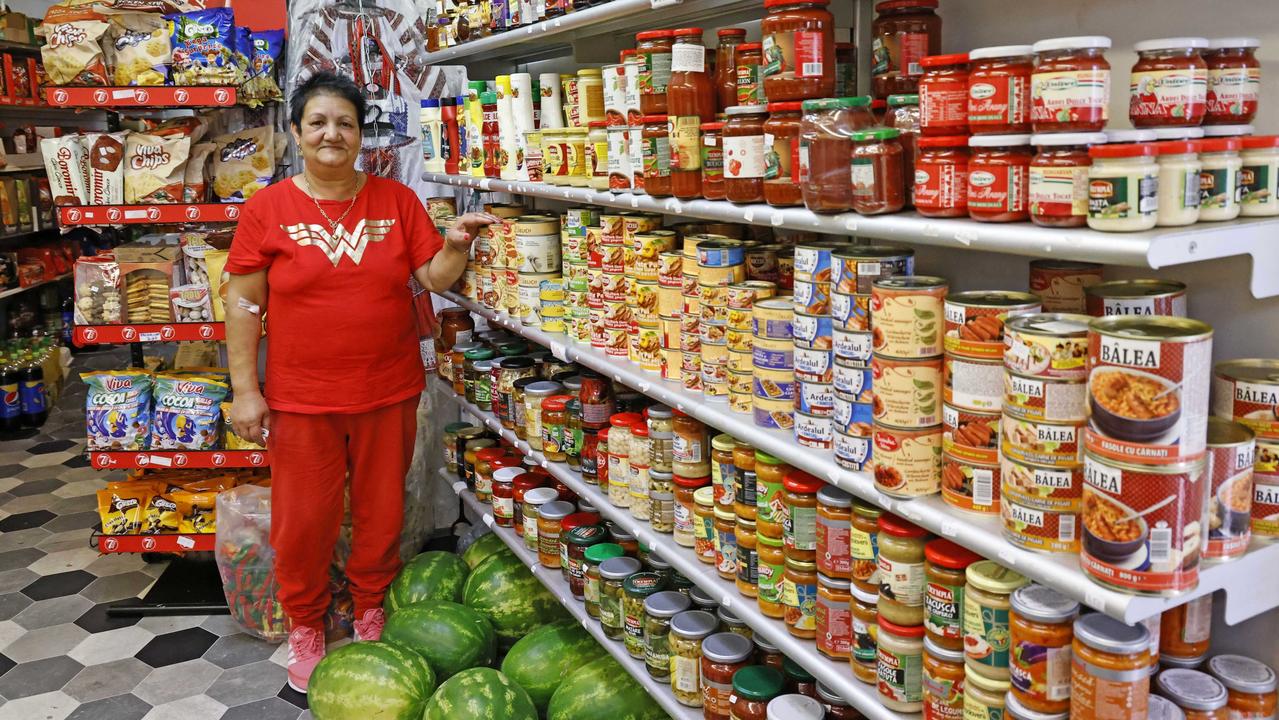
[(306, 650), (369, 626)]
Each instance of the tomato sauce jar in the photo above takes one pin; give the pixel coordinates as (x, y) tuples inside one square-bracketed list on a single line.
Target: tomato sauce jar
[(1250, 686), (999, 178), (1169, 83), (826, 151), (1070, 86), (1234, 80), (657, 156), (878, 171), (903, 33), (654, 49), (999, 89), (941, 176), (781, 155), (1059, 178), (799, 50), (712, 161), (943, 94), (743, 137)]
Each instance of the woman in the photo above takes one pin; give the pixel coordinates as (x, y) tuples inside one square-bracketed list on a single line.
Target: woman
[(330, 252)]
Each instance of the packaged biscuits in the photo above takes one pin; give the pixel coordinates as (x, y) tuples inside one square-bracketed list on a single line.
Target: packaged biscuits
[(104, 153), (243, 163), (65, 163)]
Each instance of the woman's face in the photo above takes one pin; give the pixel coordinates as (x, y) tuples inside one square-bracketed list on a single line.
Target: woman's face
[(330, 132)]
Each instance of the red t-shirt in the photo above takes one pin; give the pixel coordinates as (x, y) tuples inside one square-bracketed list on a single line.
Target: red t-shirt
[(341, 330)]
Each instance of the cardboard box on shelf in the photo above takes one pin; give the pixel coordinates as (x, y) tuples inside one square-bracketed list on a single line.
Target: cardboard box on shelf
[(150, 248)]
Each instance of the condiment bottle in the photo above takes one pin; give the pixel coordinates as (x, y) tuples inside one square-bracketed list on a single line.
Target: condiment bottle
[(656, 145), (799, 47), (1070, 86), (636, 590), (999, 89), (864, 546), (770, 516), (771, 570), (690, 99), (595, 556), (943, 681), (903, 33), (834, 525), (1058, 193), (983, 696), (1250, 685), (743, 138), (750, 82), (704, 524), (654, 49), (940, 187), (712, 161), (878, 171), (902, 582), (1185, 633), (800, 597), (901, 664), (800, 532), (794, 707), (826, 149), (834, 617), (903, 116), (998, 178), (1168, 85), (781, 155), (1259, 178), (1218, 188), (1123, 188), (865, 629)]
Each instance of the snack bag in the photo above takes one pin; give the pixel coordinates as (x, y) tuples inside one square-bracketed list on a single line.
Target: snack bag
[(104, 153), (138, 49), (243, 53), (215, 262), (65, 163), (188, 413), (122, 506), (262, 85), (191, 303), (204, 47), (200, 511), (190, 126), (231, 440), (97, 292), (118, 409), (161, 514), (155, 168), (196, 179), (72, 51), (243, 163)]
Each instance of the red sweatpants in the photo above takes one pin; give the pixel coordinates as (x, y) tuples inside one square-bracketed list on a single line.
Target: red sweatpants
[(311, 457)]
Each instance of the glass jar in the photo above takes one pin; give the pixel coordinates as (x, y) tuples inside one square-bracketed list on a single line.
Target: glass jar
[(943, 682), (597, 155), (1041, 629), (998, 178), (834, 524), (534, 394), (690, 100), (534, 499), (625, 539), (1168, 86), (554, 422), (595, 556), (619, 450), (1259, 179), (601, 463), (689, 630), (878, 172), (484, 459), (730, 39), (654, 563), (767, 654), (654, 47), (639, 478), (795, 707), (1185, 633), (704, 524), (903, 33), (684, 517), (1218, 179), (471, 374), (903, 116), (799, 50), (731, 623), (753, 688), (451, 459), (517, 404), (613, 574), (550, 517), (460, 348), (571, 522), (1199, 695), (456, 325), (834, 617), (772, 575), (713, 161), (596, 396), (750, 83), (519, 490), (798, 680), (940, 186), (983, 696), (579, 540), (800, 529), (661, 495), (745, 504), (900, 665), (800, 598), (943, 95), (659, 608), (1058, 192), (1070, 86), (743, 137), (702, 600), (1234, 80), (770, 515), (781, 155), (1250, 686), (1110, 667), (826, 150), (690, 449), (902, 582), (724, 470), (661, 435), (504, 495), (1123, 188), (574, 435), (723, 655), (865, 631), (863, 541), (465, 462), (837, 708), (636, 589), (985, 617), (725, 543), (944, 566), (1160, 709), (657, 155), (747, 558), (999, 89)]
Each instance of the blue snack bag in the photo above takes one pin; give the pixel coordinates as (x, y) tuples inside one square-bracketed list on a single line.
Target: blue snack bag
[(118, 409), (204, 47), (188, 412), (262, 85)]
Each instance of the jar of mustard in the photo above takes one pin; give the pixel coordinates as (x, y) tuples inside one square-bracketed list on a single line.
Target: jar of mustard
[(983, 696), (865, 632), (704, 524), (902, 580), (723, 470), (987, 639), (943, 682), (1041, 629), (799, 493), (863, 545), (769, 476), (747, 558), (744, 481), (771, 571), (944, 567)]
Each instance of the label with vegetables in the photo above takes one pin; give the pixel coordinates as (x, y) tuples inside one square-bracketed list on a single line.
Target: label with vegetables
[(986, 634)]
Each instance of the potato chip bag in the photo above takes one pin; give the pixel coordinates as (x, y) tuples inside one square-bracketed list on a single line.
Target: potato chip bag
[(243, 163), (243, 53), (196, 179), (121, 508), (263, 85), (72, 52), (118, 409), (155, 168), (188, 412), (138, 49), (204, 47)]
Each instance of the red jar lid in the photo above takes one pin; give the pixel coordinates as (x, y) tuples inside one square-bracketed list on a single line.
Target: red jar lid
[(779, 3), (904, 4), (944, 60), (1221, 144), (556, 403), (624, 419), (895, 526), (602, 435), (949, 555), (628, 52), (652, 119), (1123, 150), (541, 472), (579, 519), (878, 104), (1257, 142), (505, 461), (488, 454), (801, 482), (942, 141), (595, 124), (639, 429), (750, 46), (911, 631), (784, 106), (712, 126), (697, 482), (1177, 147), (654, 35), (731, 32), (527, 482), (683, 32)]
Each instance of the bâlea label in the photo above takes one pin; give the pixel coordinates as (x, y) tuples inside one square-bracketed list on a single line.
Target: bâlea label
[(1103, 477), (1130, 353)]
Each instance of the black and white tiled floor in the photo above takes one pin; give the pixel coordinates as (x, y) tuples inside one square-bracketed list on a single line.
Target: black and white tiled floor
[(61, 657)]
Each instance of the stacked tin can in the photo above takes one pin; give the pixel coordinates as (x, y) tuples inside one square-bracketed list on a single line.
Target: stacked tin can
[(644, 332), (773, 357), (485, 258), (813, 391), (576, 226), (612, 333), (537, 259), (690, 332), (740, 339), (721, 263), (670, 306), (1247, 392), (595, 253)]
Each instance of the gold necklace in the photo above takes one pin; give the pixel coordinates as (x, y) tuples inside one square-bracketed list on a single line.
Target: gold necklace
[(333, 224)]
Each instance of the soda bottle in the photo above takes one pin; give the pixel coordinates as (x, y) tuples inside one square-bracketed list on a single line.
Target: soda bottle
[(10, 405), (68, 320), (35, 406)]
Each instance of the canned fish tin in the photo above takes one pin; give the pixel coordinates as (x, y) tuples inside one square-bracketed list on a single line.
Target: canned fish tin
[(741, 402), (612, 229), (670, 332), (969, 485), (1049, 345), (592, 246), (854, 378), (1231, 454), (670, 269), (1265, 507), (743, 295), (813, 260), (714, 296), (906, 392), (812, 298), (692, 306), (617, 342), (906, 316), (774, 385), (852, 346), (1041, 530), (1136, 297), (690, 336), (691, 366), (739, 340), (773, 414), (1042, 443), (740, 382), (975, 320), (1247, 391), (852, 416), (1133, 539), (1060, 283), (814, 364), (850, 312), (633, 223), (773, 318), (814, 431), (773, 355), (720, 253), (599, 337), (852, 452), (1044, 400), (854, 269), (814, 398), (907, 461), (812, 331), (1045, 488), (671, 364), (714, 382), (715, 334), (970, 435), (740, 362), (646, 347), (648, 248), (1148, 387), (974, 384)]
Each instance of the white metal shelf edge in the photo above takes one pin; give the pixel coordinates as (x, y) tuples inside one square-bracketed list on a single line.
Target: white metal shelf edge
[(981, 534)]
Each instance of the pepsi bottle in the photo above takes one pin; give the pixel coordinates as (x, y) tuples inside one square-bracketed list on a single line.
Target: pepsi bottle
[(35, 406), (10, 404)]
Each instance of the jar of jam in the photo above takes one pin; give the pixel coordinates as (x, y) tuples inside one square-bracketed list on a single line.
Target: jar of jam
[(725, 543), (865, 631), (834, 525), (770, 508), (800, 598), (826, 150), (944, 566), (943, 682), (998, 176), (1058, 192), (713, 161), (904, 32), (901, 666), (1041, 628), (743, 137), (903, 116), (550, 519), (943, 95), (723, 655), (863, 541), (1185, 633), (1199, 695), (834, 617), (595, 556), (730, 39), (747, 558), (745, 504), (504, 495), (878, 172), (613, 575), (781, 155), (800, 529), (941, 176), (1070, 86), (657, 155), (799, 50), (747, 74), (654, 47), (1250, 686), (704, 523), (690, 447), (902, 581), (1234, 80), (753, 688), (1110, 668), (999, 89), (771, 587), (724, 470), (690, 100), (1169, 83)]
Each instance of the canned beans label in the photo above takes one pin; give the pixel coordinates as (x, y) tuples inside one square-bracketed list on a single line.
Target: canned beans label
[(970, 486), (1046, 488), (850, 312), (908, 462), (812, 331), (1060, 401), (855, 346), (815, 398), (814, 364), (1045, 356), (1042, 443), (852, 417), (855, 381), (1134, 538), (906, 392), (1265, 506), (852, 452), (906, 324), (978, 332), (1230, 469), (1255, 405), (1034, 529), (970, 435)]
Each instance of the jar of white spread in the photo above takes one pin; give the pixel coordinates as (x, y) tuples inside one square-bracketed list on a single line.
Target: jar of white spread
[(1178, 183), (1219, 178), (1123, 187), (1259, 178)]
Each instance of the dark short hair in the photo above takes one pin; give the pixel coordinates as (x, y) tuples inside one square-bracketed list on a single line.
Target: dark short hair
[(325, 83)]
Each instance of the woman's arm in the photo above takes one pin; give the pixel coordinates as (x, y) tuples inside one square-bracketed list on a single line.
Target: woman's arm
[(442, 271), (249, 413)]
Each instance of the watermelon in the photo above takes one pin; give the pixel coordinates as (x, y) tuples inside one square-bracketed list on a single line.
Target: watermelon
[(541, 660), (505, 592), (434, 575), (450, 636), (603, 690), (485, 545), (480, 694), (370, 679)]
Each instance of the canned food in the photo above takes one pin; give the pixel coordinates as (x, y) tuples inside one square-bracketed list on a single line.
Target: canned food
[(720, 253), (692, 306), (671, 359), (852, 416), (907, 461), (646, 310), (646, 347), (1045, 400), (855, 379), (814, 431), (613, 259), (690, 342), (969, 485), (974, 384), (1134, 539), (670, 269), (813, 260), (616, 287), (773, 355), (1267, 456), (850, 312), (715, 334), (857, 267), (740, 382), (1148, 387), (1042, 487), (814, 364), (714, 296), (773, 318), (529, 308), (741, 320), (774, 384), (1231, 454), (852, 452), (740, 362), (1042, 443), (1060, 283), (970, 435), (715, 353), (812, 331), (595, 288), (721, 276), (740, 402), (742, 296), (1050, 345), (599, 338), (739, 340), (906, 316), (553, 324), (633, 223), (1136, 297), (647, 248), (617, 315), (691, 362), (537, 244), (669, 302), (812, 298), (906, 392), (761, 263), (1247, 391), (814, 398), (617, 342), (713, 388), (773, 414), (571, 246), (975, 320), (1265, 507), (1042, 530), (852, 346), (591, 249)]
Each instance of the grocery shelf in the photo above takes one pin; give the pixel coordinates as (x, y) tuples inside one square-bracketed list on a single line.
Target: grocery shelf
[(83, 335), (191, 542), (835, 675), (1151, 249), (10, 292), (147, 214), (659, 690), (141, 97), (1250, 584), (130, 459)]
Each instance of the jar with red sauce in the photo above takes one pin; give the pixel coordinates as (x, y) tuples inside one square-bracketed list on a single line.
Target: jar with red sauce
[(723, 654), (903, 115), (999, 178), (1168, 86), (750, 83), (941, 176), (656, 143), (730, 39), (1234, 80), (712, 161), (1070, 86), (781, 155), (999, 89), (743, 138), (690, 100), (903, 33), (799, 50), (654, 49), (826, 151), (943, 95), (1059, 178), (878, 172)]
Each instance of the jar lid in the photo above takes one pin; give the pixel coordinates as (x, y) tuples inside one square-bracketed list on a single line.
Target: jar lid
[(1189, 663), (1191, 689), (479, 353), (1243, 674), (508, 474), (656, 563), (746, 110), (1110, 635), (660, 412), (831, 496), (556, 403), (453, 428), (1177, 147), (666, 604), (595, 124), (724, 442), (694, 483), (639, 429), (1179, 133), (1219, 144), (1227, 130), (711, 126), (527, 481), (794, 707), (750, 47), (876, 134), (1128, 135), (1233, 42), (793, 106), (653, 119), (728, 617), (942, 653), (893, 525), (1081, 42), (905, 4), (702, 599), (618, 532), (644, 584), (779, 3), (625, 420), (837, 103), (990, 685), (1000, 51), (949, 555), (769, 540), (834, 582), (585, 506), (704, 496), (758, 682), (598, 553), (1259, 142), (763, 644), (483, 366), (927, 141), (654, 35), (541, 495), (488, 98), (864, 597), (693, 624), (910, 631), (462, 347), (798, 481), (763, 457), (543, 387), (556, 509), (682, 32), (619, 568), (505, 461), (998, 140), (795, 671), (1160, 708), (1013, 707), (1058, 139), (660, 475), (1039, 603), (725, 513), (940, 61), (1122, 150), (516, 362), (992, 577), (490, 453), (727, 647), (1173, 43), (731, 32), (586, 535), (829, 696)]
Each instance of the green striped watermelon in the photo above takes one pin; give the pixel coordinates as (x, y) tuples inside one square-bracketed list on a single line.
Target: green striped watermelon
[(603, 690), (370, 679), (450, 636), (434, 575), (541, 660), (485, 545), (505, 592), (480, 694)]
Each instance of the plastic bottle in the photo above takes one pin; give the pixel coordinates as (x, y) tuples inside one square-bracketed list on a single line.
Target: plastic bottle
[(31, 394), (10, 404)]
